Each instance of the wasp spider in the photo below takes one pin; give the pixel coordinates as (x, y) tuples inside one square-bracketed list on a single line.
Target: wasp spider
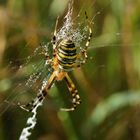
[(65, 59)]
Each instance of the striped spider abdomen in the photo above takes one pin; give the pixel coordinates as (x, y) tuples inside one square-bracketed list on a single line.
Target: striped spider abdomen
[(66, 54)]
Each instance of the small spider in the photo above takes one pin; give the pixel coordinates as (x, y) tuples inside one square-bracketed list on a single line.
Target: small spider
[(65, 59)]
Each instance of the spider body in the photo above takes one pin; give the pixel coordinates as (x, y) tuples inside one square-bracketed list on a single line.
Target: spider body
[(66, 55), (65, 59)]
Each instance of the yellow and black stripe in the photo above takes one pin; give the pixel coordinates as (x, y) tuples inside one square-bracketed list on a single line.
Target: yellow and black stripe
[(66, 54)]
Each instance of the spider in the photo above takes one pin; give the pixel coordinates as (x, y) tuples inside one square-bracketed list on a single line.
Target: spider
[(65, 59)]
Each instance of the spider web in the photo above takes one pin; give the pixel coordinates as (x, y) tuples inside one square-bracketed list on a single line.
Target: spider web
[(70, 30), (36, 65), (36, 73), (67, 31), (40, 70)]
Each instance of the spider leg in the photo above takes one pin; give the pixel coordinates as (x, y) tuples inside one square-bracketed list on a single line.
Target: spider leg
[(48, 59), (90, 32), (40, 97), (54, 34), (83, 53), (76, 98)]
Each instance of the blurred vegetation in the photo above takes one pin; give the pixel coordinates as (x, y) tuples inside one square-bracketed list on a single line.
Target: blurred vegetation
[(108, 83)]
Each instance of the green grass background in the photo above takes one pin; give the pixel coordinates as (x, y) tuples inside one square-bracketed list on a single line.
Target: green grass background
[(108, 83)]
